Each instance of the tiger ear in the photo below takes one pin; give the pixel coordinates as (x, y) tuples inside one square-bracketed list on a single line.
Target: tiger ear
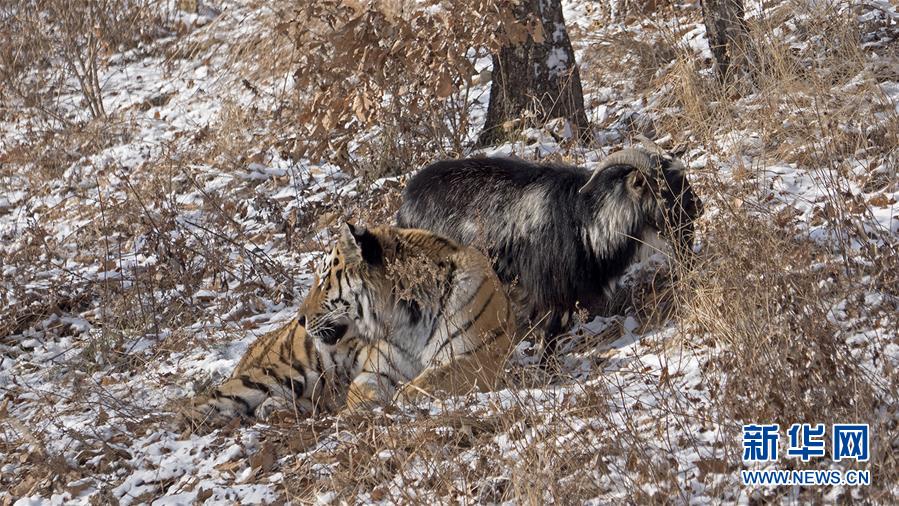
[(358, 244), (352, 252)]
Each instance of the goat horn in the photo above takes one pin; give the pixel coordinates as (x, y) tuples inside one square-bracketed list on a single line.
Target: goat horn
[(631, 157), (654, 149), (650, 145)]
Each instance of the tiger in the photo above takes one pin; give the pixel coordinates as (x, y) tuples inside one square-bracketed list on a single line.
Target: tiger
[(396, 315)]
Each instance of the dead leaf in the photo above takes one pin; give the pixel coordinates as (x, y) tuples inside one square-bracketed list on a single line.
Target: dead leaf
[(77, 487), (515, 31), (231, 426), (712, 466), (302, 442), (881, 200), (359, 108), (329, 120), (444, 85), (24, 487), (264, 459), (230, 466), (326, 220), (537, 33), (378, 494), (786, 216), (202, 495)]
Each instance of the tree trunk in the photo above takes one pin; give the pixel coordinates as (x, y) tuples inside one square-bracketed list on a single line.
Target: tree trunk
[(727, 34), (537, 79)]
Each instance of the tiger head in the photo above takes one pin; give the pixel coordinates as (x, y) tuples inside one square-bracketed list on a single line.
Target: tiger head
[(341, 297)]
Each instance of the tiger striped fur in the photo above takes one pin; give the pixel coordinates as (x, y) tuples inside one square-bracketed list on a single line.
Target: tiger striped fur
[(284, 369), (397, 312), (432, 314)]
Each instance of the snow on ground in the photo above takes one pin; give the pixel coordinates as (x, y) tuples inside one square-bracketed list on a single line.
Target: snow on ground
[(88, 393)]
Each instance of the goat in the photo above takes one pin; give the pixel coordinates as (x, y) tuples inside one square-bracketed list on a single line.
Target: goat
[(560, 235)]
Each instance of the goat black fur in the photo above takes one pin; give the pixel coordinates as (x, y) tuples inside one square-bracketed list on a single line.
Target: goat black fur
[(561, 235)]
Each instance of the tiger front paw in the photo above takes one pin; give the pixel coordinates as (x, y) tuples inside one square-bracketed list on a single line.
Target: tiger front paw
[(410, 393), (277, 408), (204, 417)]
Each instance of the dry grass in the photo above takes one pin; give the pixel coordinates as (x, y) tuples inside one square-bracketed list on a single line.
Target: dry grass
[(57, 43), (757, 309)]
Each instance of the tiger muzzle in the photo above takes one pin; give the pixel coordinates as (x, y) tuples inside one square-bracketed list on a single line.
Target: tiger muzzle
[(330, 334)]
